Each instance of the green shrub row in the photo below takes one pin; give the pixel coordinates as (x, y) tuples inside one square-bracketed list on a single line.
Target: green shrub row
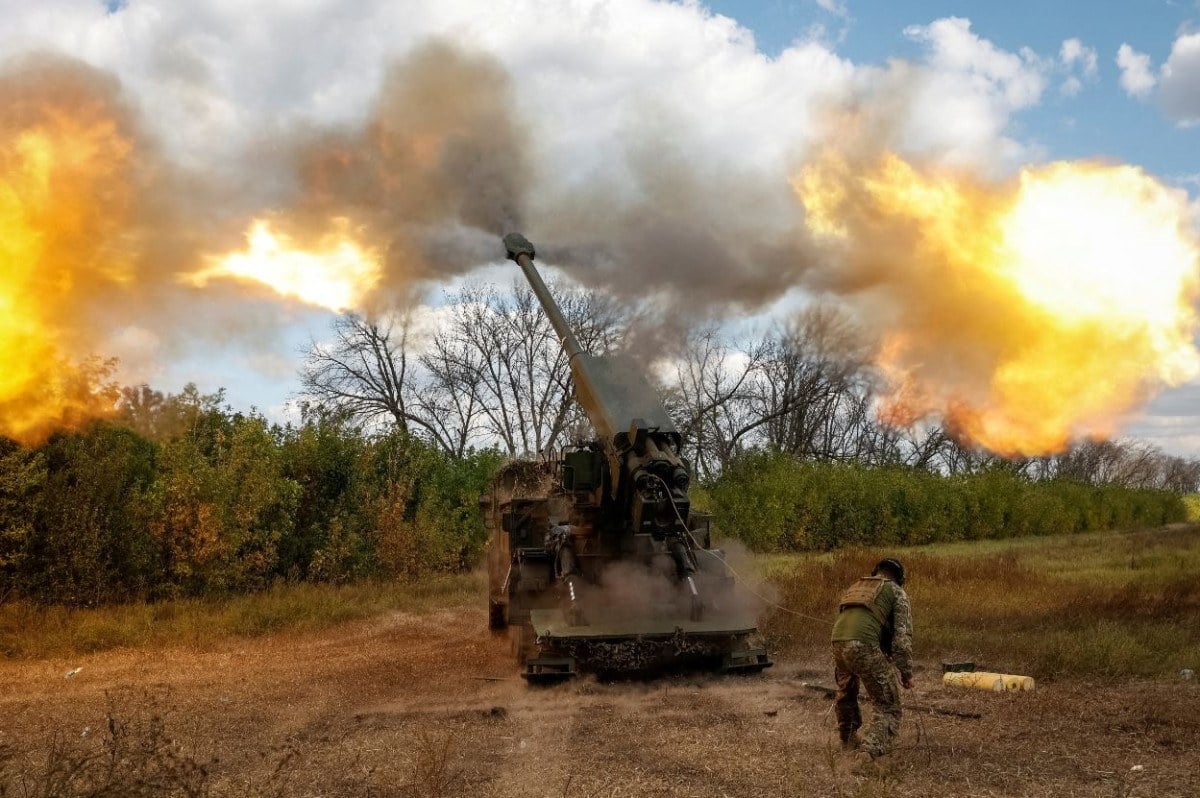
[(229, 503), (774, 502), (226, 503)]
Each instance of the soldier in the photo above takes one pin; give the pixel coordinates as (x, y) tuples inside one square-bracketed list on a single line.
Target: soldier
[(873, 635)]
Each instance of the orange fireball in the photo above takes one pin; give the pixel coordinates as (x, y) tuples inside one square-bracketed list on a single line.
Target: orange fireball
[(55, 246), (336, 272), (1025, 314)]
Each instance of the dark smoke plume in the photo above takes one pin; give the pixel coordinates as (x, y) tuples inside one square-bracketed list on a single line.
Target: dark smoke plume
[(435, 176)]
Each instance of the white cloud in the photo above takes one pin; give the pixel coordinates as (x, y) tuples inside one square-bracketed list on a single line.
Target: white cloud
[(1079, 62), (1136, 76), (970, 90), (1075, 53), (835, 7), (1176, 87), (217, 77), (1169, 421), (1179, 87), (955, 48)]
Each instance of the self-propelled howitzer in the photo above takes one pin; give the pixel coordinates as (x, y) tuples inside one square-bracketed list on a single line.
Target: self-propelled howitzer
[(596, 559)]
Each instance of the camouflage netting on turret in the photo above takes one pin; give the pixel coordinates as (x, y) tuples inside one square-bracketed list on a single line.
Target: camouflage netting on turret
[(523, 479)]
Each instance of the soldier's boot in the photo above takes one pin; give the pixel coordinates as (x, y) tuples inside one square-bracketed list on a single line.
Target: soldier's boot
[(863, 764), (850, 739)]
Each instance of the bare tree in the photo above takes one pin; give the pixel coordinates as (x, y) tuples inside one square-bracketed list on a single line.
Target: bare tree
[(493, 372), (507, 356), (709, 398), (803, 388), (1180, 475), (1134, 464), (816, 389), (450, 398), (365, 372)]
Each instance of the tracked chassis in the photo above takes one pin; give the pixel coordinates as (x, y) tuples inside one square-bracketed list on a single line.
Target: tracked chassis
[(554, 638)]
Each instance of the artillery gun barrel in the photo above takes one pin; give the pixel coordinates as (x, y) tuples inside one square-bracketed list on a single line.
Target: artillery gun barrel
[(624, 409), (521, 250)]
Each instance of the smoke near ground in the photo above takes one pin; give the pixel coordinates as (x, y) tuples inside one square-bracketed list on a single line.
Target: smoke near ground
[(636, 592)]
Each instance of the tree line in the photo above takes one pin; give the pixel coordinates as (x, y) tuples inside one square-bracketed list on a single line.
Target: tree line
[(181, 496), (399, 432), (493, 374), (774, 502)]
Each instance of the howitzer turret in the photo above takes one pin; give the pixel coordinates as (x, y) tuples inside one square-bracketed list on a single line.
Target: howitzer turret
[(597, 560)]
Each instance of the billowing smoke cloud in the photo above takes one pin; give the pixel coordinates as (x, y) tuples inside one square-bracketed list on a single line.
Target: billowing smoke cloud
[(701, 236), (442, 167), (448, 157), (440, 164)]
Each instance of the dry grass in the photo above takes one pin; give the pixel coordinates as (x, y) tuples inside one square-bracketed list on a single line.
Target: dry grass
[(422, 704), (1111, 605), (434, 772), (136, 755), (30, 631), (133, 756)]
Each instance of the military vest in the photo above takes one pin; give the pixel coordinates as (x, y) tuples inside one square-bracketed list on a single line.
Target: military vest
[(864, 593)]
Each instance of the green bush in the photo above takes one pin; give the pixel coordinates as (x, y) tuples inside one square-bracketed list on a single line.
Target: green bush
[(200, 501), (774, 502), (188, 499), (84, 537)]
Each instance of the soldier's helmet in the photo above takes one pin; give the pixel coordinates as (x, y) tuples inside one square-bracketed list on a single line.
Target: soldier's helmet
[(894, 567)]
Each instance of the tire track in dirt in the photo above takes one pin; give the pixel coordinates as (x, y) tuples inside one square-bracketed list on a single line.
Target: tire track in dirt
[(405, 706)]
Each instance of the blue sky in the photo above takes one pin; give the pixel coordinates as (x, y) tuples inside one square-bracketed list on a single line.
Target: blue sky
[(1102, 121)]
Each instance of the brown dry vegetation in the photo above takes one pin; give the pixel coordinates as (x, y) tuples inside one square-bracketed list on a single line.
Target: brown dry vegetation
[(28, 630), (1103, 606), (424, 702)]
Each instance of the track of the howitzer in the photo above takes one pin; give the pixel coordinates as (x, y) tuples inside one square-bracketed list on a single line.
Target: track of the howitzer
[(429, 705)]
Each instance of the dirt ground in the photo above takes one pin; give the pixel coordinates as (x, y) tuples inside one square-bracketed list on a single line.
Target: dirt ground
[(429, 705)]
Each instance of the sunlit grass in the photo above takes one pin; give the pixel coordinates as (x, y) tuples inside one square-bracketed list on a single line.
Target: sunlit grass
[(1109, 605), (28, 631)]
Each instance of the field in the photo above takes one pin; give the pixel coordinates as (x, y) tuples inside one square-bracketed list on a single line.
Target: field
[(375, 691)]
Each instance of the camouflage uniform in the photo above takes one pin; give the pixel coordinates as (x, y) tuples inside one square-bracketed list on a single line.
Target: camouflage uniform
[(872, 640)]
